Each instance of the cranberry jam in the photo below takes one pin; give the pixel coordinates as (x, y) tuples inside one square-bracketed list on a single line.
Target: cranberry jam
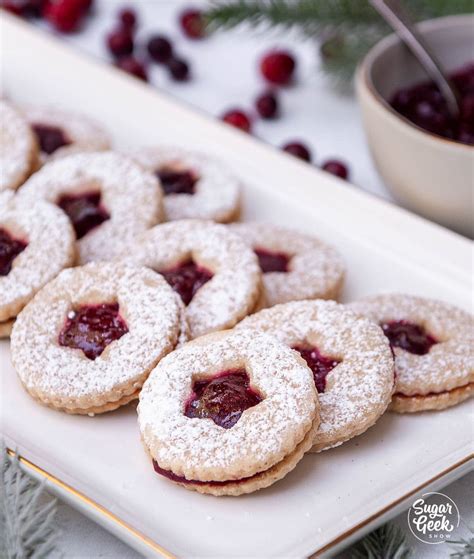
[(92, 328), (50, 138), (223, 398), (177, 182), (424, 105), (84, 210), (187, 278), (272, 261), (10, 248), (318, 363), (409, 336), (181, 479)]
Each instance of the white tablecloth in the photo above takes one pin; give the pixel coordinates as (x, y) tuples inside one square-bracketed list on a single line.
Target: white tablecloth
[(225, 75)]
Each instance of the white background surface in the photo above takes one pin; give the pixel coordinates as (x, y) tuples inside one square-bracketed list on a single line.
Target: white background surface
[(224, 75)]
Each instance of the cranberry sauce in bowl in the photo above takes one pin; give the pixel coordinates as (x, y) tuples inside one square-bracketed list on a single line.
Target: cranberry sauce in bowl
[(424, 105)]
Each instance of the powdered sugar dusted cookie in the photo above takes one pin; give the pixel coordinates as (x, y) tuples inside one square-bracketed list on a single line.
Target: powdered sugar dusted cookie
[(432, 342), (61, 132), (88, 340), (36, 243), (350, 359), (195, 185), (215, 273), (228, 413), (108, 197), (18, 148), (295, 266)]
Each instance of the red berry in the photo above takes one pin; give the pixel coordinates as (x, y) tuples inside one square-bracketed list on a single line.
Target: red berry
[(237, 118), (64, 15), (337, 168), (178, 69), (277, 67), (192, 23), (15, 7), (298, 150), (267, 105), (128, 18), (133, 66), (120, 42), (159, 48)]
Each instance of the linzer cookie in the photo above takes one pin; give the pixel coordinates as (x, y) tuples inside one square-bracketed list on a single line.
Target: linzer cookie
[(295, 266), (36, 243), (215, 273), (349, 357), (194, 185), (88, 340), (228, 413), (432, 342), (108, 197), (61, 132), (18, 148)]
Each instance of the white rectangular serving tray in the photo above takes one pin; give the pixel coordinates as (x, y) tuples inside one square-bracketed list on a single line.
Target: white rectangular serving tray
[(98, 463)]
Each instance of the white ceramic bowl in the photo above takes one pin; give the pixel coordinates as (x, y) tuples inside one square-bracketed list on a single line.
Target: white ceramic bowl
[(428, 174)]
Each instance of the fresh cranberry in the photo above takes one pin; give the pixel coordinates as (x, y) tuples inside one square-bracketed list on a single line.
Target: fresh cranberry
[(120, 42), (159, 48), (64, 15), (192, 23), (92, 328), (15, 7), (10, 248), (186, 279), (278, 67), (84, 210), (223, 398), (336, 167), (298, 150), (178, 68), (272, 261), (424, 105), (237, 118), (128, 18), (267, 105), (133, 67), (177, 182), (50, 138), (319, 364), (409, 336)]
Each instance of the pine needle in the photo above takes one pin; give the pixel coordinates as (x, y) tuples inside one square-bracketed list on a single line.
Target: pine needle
[(387, 542), (27, 528), (354, 23)]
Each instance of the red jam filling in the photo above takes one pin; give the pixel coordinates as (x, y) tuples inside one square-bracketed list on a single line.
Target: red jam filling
[(181, 479), (424, 105), (409, 336), (187, 278), (223, 398), (84, 210), (177, 182), (92, 328), (50, 138), (10, 248), (318, 363), (272, 261)]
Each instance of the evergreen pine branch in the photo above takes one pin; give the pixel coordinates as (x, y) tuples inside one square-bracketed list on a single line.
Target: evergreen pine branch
[(352, 25), (314, 14), (387, 542), (464, 547), (27, 529)]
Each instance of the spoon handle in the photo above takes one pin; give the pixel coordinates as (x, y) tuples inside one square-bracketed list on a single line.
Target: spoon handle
[(398, 20)]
